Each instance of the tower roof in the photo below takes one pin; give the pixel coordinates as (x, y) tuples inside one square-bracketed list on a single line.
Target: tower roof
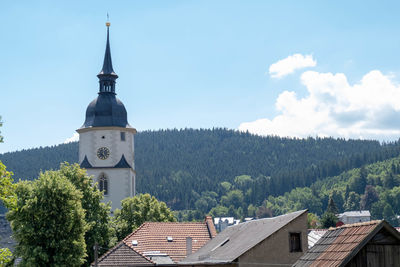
[(106, 110), (107, 63)]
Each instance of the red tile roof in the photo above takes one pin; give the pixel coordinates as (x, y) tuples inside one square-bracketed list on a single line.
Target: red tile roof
[(152, 236), (123, 255), (338, 245)]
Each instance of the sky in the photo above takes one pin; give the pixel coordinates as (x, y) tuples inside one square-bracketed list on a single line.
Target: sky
[(287, 68)]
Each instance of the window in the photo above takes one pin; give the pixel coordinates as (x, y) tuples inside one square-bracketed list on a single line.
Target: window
[(122, 136), (103, 184), (295, 242)]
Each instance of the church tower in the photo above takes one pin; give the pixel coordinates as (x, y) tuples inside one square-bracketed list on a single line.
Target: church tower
[(106, 140)]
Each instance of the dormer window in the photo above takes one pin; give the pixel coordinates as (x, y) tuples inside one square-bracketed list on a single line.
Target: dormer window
[(122, 136)]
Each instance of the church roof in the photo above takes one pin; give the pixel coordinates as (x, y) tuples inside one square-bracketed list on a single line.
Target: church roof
[(122, 163), (86, 164), (106, 110)]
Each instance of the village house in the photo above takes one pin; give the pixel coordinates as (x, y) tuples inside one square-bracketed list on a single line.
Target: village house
[(277, 241), (367, 244), (357, 216), (159, 243)]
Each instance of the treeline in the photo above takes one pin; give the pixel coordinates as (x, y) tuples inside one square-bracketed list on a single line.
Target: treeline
[(186, 168), (374, 187)]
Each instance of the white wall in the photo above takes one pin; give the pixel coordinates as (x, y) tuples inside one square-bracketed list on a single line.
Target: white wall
[(121, 182)]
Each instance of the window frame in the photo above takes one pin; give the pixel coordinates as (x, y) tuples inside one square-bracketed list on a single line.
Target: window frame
[(103, 183), (292, 246)]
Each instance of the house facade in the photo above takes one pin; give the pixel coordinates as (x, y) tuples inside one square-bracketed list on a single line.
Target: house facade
[(277, 241)]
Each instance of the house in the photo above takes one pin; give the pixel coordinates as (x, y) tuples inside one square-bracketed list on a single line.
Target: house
[(277, 241), (223, 222), (367, 244), (159, 243), (357, 216)]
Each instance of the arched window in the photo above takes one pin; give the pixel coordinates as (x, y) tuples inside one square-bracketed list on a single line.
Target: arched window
[(103, 184)]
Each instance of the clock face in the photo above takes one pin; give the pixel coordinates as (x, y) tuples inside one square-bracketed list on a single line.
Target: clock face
[(103, 153)]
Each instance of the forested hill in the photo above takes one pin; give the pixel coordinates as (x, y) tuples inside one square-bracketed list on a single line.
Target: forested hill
[(178, 165)]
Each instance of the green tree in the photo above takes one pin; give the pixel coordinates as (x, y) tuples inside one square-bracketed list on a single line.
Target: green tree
[(389, 215), (332, 206), (233, 198), (328, 219), (5, 257), (7, 188), (97, 213), (352, 202), (312, 220), (48, 222), (219, 211), (388, 180), (137, 210), (370, 197)]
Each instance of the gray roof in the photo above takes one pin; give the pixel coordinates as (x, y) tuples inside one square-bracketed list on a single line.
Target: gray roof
[(356, 213), (234, 241)]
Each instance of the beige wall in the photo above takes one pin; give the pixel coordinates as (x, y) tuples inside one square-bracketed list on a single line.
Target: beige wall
[(275, 249)]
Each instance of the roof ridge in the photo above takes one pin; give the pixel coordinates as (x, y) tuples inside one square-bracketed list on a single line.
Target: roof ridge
[(356, 224), (131, 234), (178, 222)]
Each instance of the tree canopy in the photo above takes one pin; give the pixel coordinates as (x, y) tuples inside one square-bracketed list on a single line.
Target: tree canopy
[(48, 222), (137, 210), (96, 213)]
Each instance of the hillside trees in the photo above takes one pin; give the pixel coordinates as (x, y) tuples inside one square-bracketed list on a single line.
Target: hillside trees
[(185, 163), (48, 222)]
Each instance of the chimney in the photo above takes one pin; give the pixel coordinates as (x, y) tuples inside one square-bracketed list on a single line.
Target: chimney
[(188, 246), (210, 225)]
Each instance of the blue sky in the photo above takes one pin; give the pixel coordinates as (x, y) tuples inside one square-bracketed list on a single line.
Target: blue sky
[(203, 64)]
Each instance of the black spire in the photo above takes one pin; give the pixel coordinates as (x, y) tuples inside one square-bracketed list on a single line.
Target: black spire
[(107, 76)]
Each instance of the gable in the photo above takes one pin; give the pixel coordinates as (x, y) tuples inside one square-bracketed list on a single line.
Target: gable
[(123, 255), (339, 246)]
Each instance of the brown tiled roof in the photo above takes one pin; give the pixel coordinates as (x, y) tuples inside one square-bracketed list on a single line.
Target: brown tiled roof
[(338, 245), (123, 255), (152, 236)]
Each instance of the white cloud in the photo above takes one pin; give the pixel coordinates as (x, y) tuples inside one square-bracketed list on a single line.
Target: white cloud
[(73, 138), (369, 109), (290, 64)]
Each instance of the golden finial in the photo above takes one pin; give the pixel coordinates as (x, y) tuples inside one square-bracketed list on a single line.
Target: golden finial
[(108, 22)]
